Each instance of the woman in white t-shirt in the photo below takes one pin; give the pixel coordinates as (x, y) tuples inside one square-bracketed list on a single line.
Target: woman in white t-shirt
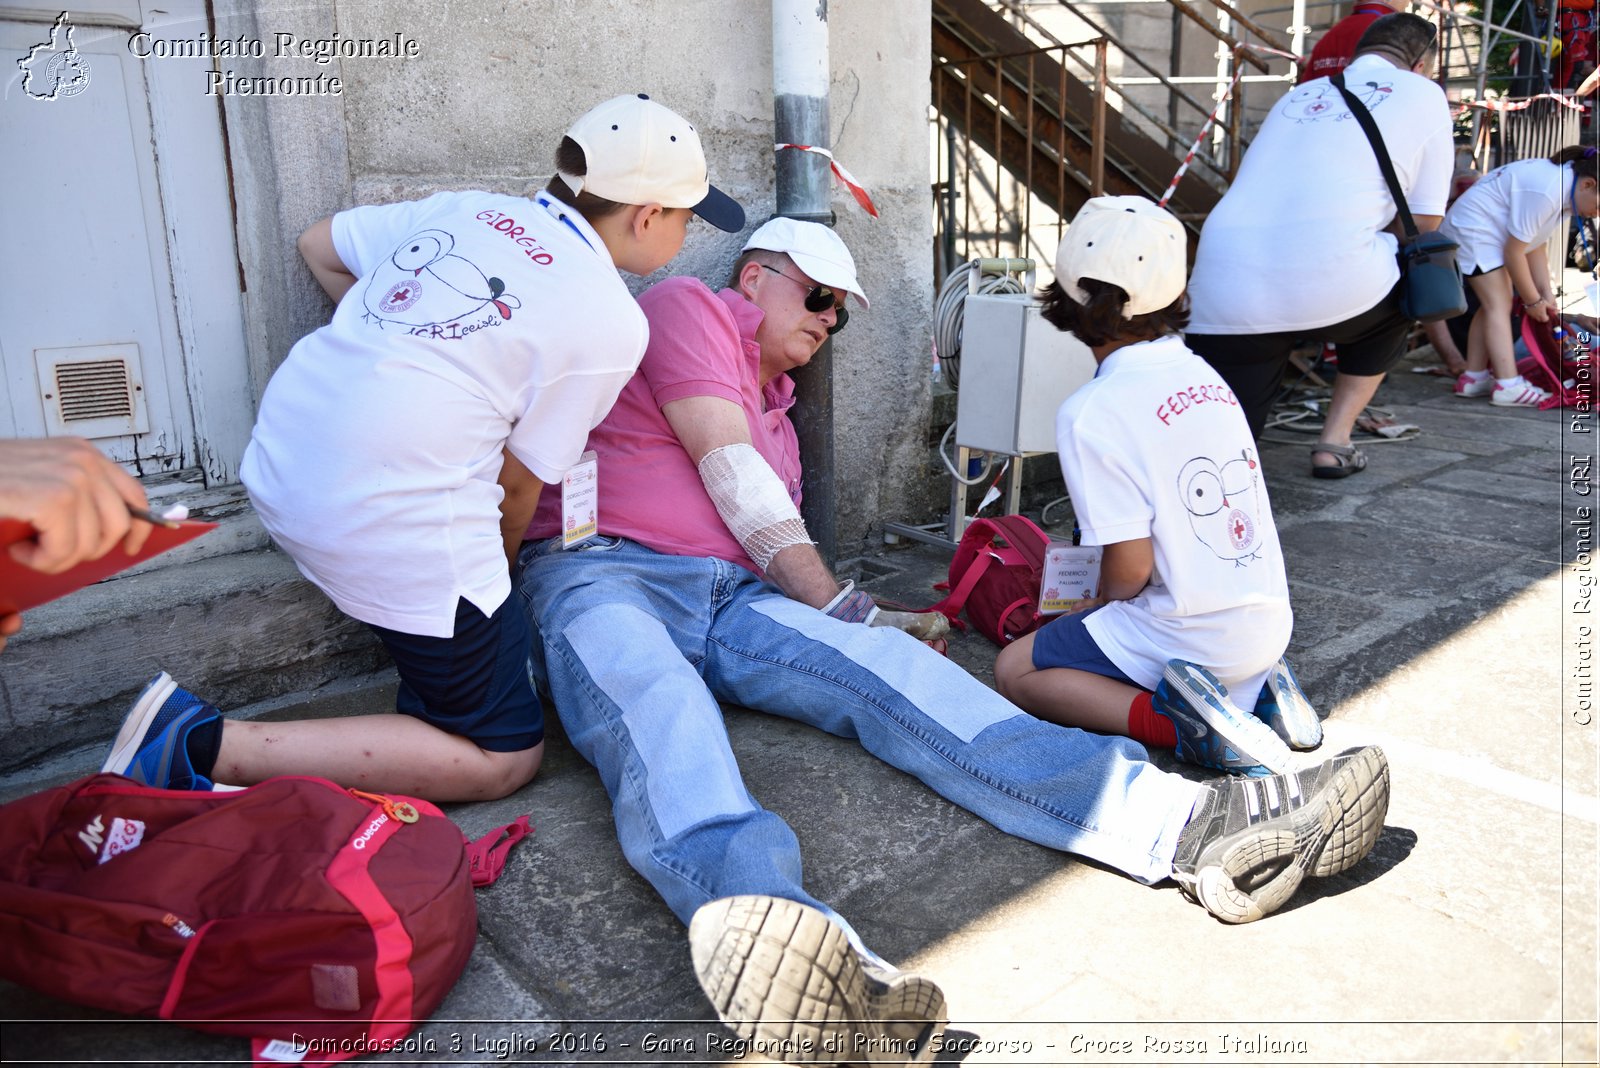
[(1164, 478), (1504, 221)]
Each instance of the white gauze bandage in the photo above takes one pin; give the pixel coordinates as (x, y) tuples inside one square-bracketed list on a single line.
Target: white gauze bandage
[(751, 500)]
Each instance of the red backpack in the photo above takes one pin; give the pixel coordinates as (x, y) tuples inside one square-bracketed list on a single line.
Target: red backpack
[(995, 576), (1561, 365), (318, 921)]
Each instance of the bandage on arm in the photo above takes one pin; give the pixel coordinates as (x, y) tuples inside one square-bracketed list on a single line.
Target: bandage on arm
[(752, 502)]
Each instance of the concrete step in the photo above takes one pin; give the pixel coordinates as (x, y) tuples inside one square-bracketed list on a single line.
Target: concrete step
[(243, 630)]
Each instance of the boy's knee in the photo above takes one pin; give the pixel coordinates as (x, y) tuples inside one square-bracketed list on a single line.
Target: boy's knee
[(509, 772)]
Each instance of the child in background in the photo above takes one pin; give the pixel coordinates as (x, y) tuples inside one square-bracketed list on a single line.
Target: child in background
[(1162, 470), (1504, 221)]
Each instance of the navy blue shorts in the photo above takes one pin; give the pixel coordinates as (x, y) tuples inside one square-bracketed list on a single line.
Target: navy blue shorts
[(474, 684), (1065, 642)]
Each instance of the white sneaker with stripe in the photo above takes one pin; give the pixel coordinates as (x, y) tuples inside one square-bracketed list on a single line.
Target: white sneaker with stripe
[(1251, 841)]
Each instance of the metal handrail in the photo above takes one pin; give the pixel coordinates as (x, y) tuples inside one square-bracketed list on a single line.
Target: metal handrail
[(1214, 166)]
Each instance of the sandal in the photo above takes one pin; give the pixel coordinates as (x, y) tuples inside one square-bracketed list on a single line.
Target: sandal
[(1351, 460)]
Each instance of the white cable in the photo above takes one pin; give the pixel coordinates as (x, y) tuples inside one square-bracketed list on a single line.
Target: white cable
[(949, 464), (950, 309)]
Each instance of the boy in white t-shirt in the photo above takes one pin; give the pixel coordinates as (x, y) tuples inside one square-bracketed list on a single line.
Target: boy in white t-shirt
[(400, 451), (1163, 474)]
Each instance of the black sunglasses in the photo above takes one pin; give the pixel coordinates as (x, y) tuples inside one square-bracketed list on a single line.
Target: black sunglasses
[(820, 298)]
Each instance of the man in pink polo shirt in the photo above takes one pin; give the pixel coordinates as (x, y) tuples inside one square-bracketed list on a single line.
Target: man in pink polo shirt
[(703, 587)]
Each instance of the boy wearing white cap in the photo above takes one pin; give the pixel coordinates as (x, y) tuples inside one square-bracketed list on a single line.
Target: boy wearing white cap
[(704, 588), (400, 451), (1158, 458)]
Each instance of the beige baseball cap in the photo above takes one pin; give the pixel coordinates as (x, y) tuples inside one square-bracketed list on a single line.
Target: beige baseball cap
[(1129, 242), (640, 152)]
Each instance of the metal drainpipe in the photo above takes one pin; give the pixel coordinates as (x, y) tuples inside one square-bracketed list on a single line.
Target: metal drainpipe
[(805, 184)]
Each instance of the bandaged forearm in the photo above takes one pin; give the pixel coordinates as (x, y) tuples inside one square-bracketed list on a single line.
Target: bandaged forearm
[(750, 498)]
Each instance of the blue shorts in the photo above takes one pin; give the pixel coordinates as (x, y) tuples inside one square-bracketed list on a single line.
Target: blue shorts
[(474, 684), (1065, 642)]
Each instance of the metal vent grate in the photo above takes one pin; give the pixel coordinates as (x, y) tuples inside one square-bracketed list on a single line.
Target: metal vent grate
[(95, 389)]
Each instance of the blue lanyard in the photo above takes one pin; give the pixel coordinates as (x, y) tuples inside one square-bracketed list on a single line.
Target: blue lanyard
[(549, 205)]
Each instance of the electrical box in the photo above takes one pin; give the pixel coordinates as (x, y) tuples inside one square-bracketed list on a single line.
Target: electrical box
[(1016, 369)]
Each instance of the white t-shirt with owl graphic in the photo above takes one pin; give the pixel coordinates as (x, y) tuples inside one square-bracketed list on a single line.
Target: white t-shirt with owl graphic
[(478, 323), (1156, 446), (1298, 241)]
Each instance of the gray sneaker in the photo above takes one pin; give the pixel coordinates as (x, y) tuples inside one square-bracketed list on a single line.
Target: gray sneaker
[(1250, 842), (1283, 706), (1212, 731), (785, 979)]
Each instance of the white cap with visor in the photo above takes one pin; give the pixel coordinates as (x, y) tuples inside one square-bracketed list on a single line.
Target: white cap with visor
[(639, 152)]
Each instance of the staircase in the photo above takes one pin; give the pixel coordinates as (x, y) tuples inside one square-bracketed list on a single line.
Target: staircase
[(1022, 106), (1034, 125)]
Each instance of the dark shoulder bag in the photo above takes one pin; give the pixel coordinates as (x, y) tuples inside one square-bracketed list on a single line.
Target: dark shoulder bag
[(1430, 281)]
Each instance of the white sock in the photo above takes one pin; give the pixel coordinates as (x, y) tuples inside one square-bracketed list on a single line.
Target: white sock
[(1475, 376), (1510, 383)]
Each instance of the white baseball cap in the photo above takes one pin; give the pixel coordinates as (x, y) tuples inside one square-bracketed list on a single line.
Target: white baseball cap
[(1129, 242), (639, 152), (815, 249)]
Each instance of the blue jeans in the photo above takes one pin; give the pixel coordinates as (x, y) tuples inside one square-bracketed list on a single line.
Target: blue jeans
[(636, 648)]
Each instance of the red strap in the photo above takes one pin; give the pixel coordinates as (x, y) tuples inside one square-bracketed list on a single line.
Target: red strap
[(487, 856), (350, 875), (1025, 537), (1020, 602), (952, 605)]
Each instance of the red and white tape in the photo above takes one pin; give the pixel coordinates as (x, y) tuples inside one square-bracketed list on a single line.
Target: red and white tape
[(1211, 120), (856, 189), (1517, 105)]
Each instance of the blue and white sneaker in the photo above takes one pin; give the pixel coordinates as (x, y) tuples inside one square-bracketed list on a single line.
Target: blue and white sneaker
[(1250, 842), (1283, 707), (152, 746), (1212, 732)]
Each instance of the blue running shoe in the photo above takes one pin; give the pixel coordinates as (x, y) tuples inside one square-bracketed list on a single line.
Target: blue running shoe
[(152, 746), (1283, 707), (1211, 731)]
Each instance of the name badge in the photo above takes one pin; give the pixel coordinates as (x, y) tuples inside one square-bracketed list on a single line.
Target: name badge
[(1071, 573), (580, 498)]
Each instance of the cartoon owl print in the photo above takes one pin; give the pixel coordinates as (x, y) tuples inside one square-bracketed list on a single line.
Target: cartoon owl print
[(424, 283), (1319, 100), (1224, 504)]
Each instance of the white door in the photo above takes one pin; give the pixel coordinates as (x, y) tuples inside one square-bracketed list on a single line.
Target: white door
[(120, 317)]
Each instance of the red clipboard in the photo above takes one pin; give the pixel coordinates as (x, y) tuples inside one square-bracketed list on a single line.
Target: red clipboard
[(22, 588)]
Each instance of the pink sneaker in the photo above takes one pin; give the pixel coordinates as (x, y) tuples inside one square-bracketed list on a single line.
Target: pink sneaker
[(1523, 395), (1466, 386)]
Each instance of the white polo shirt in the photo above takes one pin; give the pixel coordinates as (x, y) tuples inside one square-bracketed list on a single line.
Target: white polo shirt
[(1156, 446), (478, 322), (1523, 200), (1298, 241)]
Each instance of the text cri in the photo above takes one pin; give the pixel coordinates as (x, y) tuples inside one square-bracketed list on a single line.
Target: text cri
[(1193, 397)]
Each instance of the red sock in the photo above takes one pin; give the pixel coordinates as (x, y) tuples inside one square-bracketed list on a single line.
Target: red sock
[(1149, 727)]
